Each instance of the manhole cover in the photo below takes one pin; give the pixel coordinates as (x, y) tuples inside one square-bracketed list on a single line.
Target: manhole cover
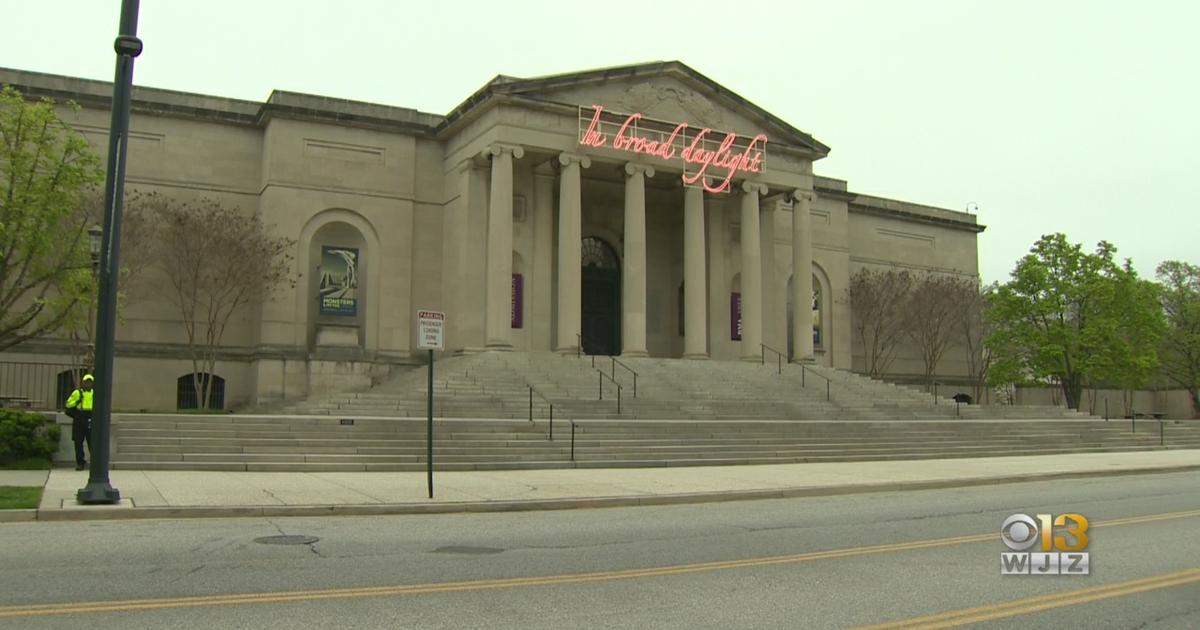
[(287, 540), (467, 550)]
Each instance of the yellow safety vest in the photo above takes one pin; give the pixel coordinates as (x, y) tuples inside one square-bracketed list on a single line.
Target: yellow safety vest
[(81, 399)]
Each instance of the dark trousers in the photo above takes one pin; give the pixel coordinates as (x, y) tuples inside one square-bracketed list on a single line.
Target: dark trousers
[(81, 431)]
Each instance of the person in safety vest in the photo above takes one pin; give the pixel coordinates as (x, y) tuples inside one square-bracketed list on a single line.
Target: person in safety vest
[(79, 407)]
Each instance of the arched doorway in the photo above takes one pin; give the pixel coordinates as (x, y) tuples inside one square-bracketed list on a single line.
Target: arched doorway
[(601, 297)]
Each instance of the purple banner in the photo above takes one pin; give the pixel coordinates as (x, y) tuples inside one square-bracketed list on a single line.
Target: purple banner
[(735, 316), (518, 289)]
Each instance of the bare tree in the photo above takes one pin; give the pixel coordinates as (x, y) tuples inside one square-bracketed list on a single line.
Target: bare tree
[(975, 327), (216, 261), (933, 312), (136, 254), (878, 301)]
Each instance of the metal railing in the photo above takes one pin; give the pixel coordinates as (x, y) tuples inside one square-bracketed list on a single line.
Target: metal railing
[(615, 363), (614, 382), (804, 369), (39, 386), (572, 440), (549, 406), (778, 355)]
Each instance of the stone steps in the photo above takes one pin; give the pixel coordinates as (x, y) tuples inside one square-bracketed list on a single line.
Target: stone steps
[(282, 443)]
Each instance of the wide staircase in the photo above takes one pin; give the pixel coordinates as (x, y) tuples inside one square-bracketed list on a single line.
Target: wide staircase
[(542, 410), (323, 444)]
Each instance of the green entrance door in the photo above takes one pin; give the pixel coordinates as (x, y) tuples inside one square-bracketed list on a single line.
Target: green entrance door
[(601, 293)]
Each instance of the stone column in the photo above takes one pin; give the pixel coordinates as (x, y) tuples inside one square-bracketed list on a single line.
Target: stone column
[(633, 274), (802, 290), (695, 326), (751, 273), (499, 246), (570, 239)]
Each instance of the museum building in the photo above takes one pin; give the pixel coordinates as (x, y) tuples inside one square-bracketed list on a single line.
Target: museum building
[(642, 210)]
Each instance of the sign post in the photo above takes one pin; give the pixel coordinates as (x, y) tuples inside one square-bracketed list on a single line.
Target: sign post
[(431, 328)]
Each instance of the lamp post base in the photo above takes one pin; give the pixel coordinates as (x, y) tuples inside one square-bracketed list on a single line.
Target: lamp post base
[(98, 493)]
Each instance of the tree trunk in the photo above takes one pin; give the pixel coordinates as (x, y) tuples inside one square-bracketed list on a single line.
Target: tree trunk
[(1072, 391)]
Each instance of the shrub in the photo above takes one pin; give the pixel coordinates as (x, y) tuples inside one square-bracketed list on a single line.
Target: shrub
[(25, 435)]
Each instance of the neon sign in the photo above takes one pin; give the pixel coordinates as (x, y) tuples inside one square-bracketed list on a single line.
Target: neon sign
[(711, 158)]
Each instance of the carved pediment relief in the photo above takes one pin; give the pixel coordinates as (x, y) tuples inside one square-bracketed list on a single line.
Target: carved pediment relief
[(648, 97)]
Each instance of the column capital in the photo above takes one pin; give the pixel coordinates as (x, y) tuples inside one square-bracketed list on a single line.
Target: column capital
[(750, 187), (633, 168), (803, 195), (497, 148), (567, 159)]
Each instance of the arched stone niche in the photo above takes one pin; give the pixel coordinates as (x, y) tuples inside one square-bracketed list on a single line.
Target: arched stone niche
[(338, 300)]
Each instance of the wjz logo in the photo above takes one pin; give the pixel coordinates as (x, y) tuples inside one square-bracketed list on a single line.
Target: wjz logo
[(1038, 548)]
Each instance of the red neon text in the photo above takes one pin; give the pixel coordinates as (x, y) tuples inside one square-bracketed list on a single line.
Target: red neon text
[(697, 159)]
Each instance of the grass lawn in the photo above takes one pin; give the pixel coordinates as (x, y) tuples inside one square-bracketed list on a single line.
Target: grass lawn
[(20, 497), (29, 463)]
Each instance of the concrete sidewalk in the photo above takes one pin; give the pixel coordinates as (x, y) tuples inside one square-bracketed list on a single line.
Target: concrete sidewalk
[(180, 494)]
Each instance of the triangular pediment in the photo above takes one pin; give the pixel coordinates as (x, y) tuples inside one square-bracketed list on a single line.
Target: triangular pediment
[(667, 91)]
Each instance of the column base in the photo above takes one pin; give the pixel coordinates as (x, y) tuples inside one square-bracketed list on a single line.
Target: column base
[(634, 354), (568, 350), (499, 347), (752, 358), (808, 360), (696, 357)]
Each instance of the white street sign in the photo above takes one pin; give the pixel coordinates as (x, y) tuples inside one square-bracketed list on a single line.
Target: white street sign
[(431, 329)]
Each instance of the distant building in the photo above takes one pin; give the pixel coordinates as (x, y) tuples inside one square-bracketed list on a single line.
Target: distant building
[(636, 210)]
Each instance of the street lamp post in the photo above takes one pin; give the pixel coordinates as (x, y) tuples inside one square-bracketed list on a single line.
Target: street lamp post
[(128, 46)]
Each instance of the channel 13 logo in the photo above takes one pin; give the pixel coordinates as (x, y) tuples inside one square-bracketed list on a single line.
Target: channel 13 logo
[(1037, 549)]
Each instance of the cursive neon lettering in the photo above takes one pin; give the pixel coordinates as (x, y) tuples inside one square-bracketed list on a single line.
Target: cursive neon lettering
[(593, 138), (730, 156)]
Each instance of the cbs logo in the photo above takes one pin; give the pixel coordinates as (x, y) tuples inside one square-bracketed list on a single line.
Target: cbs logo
[(1020, 532)]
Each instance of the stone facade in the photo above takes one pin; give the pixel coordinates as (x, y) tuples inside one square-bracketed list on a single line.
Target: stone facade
[(452, 212)]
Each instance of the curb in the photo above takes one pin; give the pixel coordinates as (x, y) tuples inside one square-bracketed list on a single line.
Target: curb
[(18, 516), (125, 513)]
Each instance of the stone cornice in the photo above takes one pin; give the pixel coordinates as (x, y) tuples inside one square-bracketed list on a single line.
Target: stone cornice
[(915, 216), (283, 105), (179, 352)]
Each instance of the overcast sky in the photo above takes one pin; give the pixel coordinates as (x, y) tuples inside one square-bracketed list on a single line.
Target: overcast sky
[(1080, 117)]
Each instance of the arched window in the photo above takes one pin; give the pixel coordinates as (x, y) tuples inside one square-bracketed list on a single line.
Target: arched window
[(186, 396), (596, 253)]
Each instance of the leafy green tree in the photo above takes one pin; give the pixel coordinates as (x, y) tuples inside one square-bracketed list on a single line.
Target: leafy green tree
[(1126, 342), (1073, 318), (1180, 351), (45, 258)]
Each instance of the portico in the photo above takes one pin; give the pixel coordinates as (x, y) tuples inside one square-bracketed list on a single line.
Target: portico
[(679, 201)]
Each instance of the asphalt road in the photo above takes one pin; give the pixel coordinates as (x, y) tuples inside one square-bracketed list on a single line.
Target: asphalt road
[(829, 562)]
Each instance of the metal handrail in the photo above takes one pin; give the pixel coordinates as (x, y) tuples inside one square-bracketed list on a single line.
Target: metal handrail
[(550, 405), (578, 345), (764, 348), (804, 369), (614, 382), (615, 363)]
